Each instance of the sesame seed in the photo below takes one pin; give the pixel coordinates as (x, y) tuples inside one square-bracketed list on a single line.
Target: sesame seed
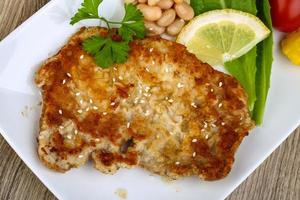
[(147, 88), (147, 69), (241, 118), (205, 125), (194, 105), (69, 75), (142, 101), (167, 70), (80, 156), (220, 84), (115, 68), (120, 77), (157, 136), (170, 100), (153, 62), (97, 140), (150, 29), (136, 100), (180, 85), (114, 79), (69, 137), (212, 90), (77, 93), (147, 113), (213, 125), (222, 123), (113, 103), (104, 113), (91, 101), (177, 163), (220, 105), (76, 132), (166, 98), (60, 112), (194, 154), (81, 101), (64, 81), (206, 136), (202, 130), (61, 127), (79, 111), (95, 107), (150, 50), (81, 57), (128, 125), (171, 133), (194, 140), (87, 109)]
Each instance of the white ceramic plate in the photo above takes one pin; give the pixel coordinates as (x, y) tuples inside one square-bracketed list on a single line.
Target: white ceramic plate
[(43, 35)]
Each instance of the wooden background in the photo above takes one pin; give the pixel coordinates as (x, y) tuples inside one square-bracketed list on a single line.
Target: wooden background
[(277, 178)]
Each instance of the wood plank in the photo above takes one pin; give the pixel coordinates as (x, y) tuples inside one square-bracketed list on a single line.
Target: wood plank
[(277, 178)]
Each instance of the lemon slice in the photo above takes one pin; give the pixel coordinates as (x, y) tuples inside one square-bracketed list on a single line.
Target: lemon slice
[(219, 36)]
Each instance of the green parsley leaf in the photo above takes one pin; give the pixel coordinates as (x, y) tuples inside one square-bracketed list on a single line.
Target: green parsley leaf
[(89, 10), (94, 44), (132, 13), (132, 23), (106, 51)]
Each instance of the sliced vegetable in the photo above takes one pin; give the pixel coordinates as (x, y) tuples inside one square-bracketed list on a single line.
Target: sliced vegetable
[(290, 46), (286, 14)]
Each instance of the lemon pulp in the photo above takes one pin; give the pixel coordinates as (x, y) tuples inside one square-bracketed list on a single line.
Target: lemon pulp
[(219, 36)]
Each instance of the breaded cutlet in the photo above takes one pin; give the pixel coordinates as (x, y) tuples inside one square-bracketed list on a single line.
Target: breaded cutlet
[(163, 110)]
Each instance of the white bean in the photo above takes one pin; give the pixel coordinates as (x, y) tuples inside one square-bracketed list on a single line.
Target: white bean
[(152, 2), (175, 27), (165, 4), (141, 6), (184, 11), (167, 18), (154, 29), (178, 1), (151, 13)]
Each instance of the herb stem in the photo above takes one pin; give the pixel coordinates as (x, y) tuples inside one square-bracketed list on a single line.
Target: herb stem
[(106, 21), (109, 22)]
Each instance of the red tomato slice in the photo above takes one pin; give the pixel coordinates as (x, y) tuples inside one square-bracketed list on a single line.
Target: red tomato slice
[(285, 14)]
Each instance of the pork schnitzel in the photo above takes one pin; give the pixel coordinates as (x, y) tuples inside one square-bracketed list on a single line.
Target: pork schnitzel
[(163, 110)]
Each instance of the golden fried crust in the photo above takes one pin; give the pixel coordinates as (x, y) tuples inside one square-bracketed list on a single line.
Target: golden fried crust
[(163, 110)]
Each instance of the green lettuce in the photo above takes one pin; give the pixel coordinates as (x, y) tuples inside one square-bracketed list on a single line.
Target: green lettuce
[(264, 63)]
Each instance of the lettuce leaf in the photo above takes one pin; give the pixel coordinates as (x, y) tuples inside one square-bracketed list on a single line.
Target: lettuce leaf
[(264, 63), (244, 70), (201, 6)]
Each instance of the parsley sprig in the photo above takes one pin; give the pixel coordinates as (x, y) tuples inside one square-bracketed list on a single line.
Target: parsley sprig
[(107, 50)]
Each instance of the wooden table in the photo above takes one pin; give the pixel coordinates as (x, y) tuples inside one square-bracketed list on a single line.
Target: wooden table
[(277, 178)]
